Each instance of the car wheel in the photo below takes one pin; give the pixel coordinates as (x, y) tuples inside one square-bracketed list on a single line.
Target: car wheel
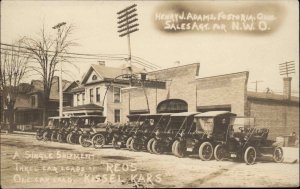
[(206, 151), (60, 138), (128, 142), (149, 145), (83, 140), (135, 146), (53, 137), (278, 155), (219, 152), (69, 138), (250, 155), (156, 147), (98, 141), (173, 147), (180, 149), (45, 137), (39, 136)]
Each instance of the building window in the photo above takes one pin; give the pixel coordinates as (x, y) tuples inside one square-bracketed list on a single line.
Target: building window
[(94, 77), (78, 99), (98, 94), (117, 116), (83, 97), (117, 94), (33, 101), (91, 95)]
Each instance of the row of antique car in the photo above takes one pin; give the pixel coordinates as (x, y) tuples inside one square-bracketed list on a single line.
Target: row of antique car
[(210, 135)]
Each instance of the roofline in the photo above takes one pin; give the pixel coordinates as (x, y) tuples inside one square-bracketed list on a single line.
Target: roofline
[(284, 101), (178, 67), (247, 72), (89, 72)]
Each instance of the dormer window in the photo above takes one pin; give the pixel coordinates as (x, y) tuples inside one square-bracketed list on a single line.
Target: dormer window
[(94, 77)]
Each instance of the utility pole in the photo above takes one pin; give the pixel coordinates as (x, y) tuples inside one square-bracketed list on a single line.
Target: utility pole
[(287, 68), (127, 25), (256, 82), (60, 77)]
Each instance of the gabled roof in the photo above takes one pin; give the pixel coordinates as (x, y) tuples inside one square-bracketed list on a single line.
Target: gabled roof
[(103, 71)]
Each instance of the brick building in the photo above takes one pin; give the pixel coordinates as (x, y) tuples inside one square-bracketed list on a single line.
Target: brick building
[(183, 90), (279, 113)]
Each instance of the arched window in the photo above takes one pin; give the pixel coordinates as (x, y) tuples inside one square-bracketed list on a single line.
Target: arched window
[(172, 106)]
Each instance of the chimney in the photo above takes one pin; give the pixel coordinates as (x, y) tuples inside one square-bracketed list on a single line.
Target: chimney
[(287, 88), (101, 62)]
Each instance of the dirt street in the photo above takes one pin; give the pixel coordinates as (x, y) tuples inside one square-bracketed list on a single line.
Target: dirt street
[(26, 162)]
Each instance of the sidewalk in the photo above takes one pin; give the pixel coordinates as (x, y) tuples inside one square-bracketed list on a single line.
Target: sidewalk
[(19, 132)]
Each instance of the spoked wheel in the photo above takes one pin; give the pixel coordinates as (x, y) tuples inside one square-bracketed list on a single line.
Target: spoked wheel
[(45, 137), (278, 155), (53, 137), (39, 136), (180, 149), (149, 145), (83, 140), (73, 138), (250, 155), (98, 141), (135, 145), (206, 151), (173, 146), (219, 152), (59, 138), (128, 142), (157, 148), (68, 138)]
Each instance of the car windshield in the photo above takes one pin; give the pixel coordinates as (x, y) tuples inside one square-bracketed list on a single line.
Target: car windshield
[(205, 124)]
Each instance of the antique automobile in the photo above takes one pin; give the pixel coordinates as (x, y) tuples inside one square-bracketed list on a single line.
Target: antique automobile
[(203, 138), (123, 135), (82, 125), (65, 130), (143, 137), (63, 122), (165, 139), (95, 133), (245, 143), (46, 133)]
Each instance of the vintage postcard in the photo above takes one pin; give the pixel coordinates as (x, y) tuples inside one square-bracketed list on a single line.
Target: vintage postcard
[(149, 94)]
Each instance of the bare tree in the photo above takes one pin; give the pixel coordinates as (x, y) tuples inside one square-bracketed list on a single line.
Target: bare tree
[(13, 68), (47, 52)]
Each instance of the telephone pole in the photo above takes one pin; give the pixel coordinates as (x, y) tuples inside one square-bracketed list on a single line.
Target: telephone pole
[(127, 25), (287, 68), (60, 77), (256, 82)]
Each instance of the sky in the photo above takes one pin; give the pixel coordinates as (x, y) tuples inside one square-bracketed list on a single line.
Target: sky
[(217, 52)]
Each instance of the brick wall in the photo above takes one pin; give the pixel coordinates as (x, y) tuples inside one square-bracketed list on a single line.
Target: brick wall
[(229, 89), (282, 118), (178, 85)]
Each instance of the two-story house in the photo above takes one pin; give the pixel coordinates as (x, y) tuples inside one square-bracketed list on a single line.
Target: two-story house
[(29, 106), (99, 93)]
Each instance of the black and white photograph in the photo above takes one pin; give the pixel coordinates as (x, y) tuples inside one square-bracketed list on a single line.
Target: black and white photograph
[(149, 93)]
